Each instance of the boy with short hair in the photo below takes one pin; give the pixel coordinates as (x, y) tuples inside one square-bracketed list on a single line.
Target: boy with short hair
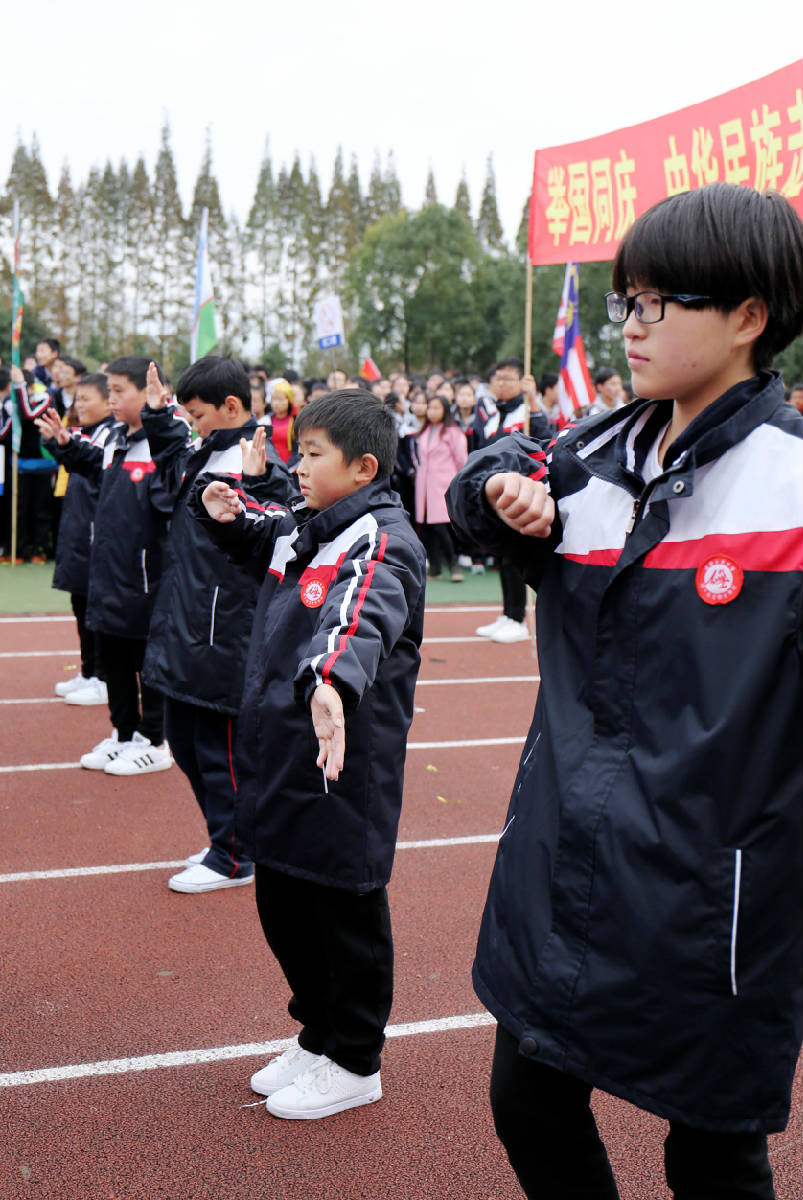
[(130, 528), (202, 618), (642, 932), (334, 655), (93, 424)]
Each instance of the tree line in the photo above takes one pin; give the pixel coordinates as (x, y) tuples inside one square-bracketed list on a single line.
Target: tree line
[(108, 267)]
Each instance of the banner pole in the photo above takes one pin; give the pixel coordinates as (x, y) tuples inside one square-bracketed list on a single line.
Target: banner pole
[(528, 318), (14, 489)]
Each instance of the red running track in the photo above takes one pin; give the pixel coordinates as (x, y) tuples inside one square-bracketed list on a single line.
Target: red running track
[(114, 966)]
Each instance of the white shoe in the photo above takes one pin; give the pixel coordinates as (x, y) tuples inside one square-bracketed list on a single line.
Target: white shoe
[(65, 686), (199, 878), (93, 693), (192, 859), (104, 753), (511, 631), (283, 1070), (139, 757), (489, 630), (322, 1090), (463, 560)]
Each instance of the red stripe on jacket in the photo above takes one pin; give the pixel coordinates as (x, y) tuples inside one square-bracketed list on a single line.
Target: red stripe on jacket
[(355, 620)]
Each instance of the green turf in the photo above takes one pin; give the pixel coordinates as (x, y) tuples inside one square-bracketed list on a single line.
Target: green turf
[(28, 589)]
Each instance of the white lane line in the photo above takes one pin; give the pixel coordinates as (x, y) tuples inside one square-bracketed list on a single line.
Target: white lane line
[(472, 839), (479, 679), (37, 653), (460, 608), (463, 744), (430, 641), (187, 1058), (32, 620), (421, 683)]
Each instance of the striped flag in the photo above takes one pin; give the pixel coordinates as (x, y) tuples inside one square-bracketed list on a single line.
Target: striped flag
[(16, 331), (204, 334), (575, 390)]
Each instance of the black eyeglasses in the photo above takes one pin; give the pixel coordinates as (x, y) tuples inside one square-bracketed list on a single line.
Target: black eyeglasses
[(648, 306)]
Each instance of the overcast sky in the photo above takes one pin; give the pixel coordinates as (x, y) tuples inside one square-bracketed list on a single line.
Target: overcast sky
[(440, 83)]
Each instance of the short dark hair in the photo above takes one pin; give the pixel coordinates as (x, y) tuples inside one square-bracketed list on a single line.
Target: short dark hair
[(357, 423), (211, 379), (53, 343), (98, 381), (513, 364), (604, 374), (134, 367), (547, 380), (78, 367), (728, 242), (5, 378), (448, 415), (290, 375)]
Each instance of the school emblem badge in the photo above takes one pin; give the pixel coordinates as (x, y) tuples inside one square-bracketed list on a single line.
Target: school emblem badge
[(313, 593), (719, 579)]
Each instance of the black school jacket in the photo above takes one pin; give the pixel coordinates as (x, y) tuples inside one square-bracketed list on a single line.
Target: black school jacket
[(134, 505), (643, 926), (341, 602), (201, 621), (76, 526)]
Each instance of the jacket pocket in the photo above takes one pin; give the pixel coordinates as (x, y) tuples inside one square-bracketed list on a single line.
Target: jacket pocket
[(734, 941), (723, 967)]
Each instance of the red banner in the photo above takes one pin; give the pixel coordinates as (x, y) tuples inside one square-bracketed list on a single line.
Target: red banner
[(587, 194)]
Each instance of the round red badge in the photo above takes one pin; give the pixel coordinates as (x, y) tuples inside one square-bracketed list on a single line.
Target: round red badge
[(313, 593), (138, 474), (719, 579)]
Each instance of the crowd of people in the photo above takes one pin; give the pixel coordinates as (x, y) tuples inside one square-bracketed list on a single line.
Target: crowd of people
[(249, 595)]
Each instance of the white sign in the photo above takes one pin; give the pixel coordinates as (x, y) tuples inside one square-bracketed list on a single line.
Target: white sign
[(328, 320)]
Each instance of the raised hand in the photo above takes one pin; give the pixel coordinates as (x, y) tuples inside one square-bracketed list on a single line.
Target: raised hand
[(221, 502), (327, 721), (521, 503), (156, 393), (254, 453), (50, 426)]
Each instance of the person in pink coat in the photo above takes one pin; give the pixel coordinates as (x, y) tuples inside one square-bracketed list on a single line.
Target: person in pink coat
[(441, 451)]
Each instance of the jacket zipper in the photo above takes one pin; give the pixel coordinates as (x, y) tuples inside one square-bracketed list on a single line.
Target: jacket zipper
[(212, 622), (737, 887), (145, 571)]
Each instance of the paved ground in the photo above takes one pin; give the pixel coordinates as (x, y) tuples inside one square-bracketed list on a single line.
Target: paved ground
[(133, 1016)]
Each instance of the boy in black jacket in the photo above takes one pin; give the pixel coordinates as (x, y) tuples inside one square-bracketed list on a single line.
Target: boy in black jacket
[(202, 618), (125, 566), (327, 704), (74, 543)]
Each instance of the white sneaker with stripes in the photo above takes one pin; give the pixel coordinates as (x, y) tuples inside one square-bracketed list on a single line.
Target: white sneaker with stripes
[(140, 757)]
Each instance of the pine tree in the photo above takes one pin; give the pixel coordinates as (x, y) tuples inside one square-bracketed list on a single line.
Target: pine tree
[(263, 249), (66, 264), (140, 253), (462, 199), (489, 227), (358, 213), (375, 205), (342, 221), (169, 281), (430, 192), (37, 213), (393, 194)]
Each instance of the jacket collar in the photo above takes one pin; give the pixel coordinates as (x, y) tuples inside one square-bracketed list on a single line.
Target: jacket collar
[(324, 525), (224, 439)]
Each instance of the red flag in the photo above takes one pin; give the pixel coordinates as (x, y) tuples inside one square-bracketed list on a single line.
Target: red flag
[(370, 370)]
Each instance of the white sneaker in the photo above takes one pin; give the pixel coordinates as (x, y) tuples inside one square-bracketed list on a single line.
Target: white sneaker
[(104, 753), (65, 686), (192, 859), (463, 560), (93, 693), (322, 1090), (511, 631), (199, 878), (488, 630), (283, 1070), (139, 757)]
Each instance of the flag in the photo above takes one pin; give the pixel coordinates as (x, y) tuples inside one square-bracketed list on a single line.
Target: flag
[(370, 370), (560, 325), (204, 334), (16, 331), (575, 390)]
